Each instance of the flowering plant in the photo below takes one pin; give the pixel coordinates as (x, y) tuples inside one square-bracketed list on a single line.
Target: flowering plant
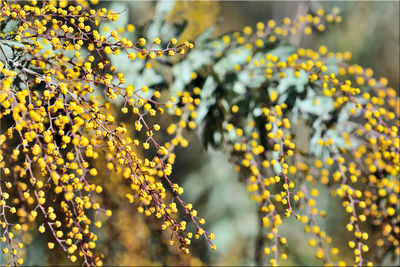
[(62, 82)]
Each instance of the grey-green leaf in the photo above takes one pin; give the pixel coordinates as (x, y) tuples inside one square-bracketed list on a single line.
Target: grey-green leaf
[(6, 53)]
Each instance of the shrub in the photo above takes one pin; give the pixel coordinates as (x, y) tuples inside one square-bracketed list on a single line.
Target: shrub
[(79, 102)]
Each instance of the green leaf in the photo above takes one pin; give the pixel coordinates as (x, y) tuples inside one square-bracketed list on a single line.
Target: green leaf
[(148, 77), (291, 80), (257, 112), (13, 44), (233, 57), (337, 138), (321, 109), (314, 147), (344, 113), (239, 88), (205, 36), (332, 65), (199, 58), (158, 26), (10, 26), (207, 98), (282, 52), (6, 53), (182, 76)]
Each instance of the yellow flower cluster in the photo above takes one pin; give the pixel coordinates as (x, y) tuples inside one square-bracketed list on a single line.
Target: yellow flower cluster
[(61, 127), (362, 170), (59, 102), (271, 31)]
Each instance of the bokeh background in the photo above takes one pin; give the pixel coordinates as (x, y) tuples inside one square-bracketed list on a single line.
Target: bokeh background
[(369, 30)]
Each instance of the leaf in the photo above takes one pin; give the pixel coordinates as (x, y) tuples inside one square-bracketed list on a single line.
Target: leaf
[(290, 80), (167, 32), (332, 65), (207, 99), (182, 76), (233, 57), (314, 147), (149, 77), (323, 107), (198, 58), (239, 88), (12, 44), (344, 113), (6, 53), (161, 11), (208, 88), (217, 137), (163, 7), (282, 52), (257, 112), (205, 36), (338, 140), (10, 26)]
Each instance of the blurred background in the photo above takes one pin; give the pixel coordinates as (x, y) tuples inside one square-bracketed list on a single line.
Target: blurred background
[(369, 30)]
